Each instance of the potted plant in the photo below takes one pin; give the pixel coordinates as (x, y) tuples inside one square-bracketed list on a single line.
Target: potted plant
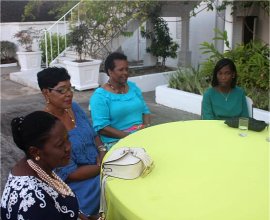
[(84, 72), (29, 60), (8, 52)]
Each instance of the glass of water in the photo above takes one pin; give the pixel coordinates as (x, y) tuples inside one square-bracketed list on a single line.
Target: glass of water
[(243, 127)]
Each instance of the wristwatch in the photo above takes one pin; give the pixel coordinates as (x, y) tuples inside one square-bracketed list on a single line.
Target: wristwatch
[(101, 148)]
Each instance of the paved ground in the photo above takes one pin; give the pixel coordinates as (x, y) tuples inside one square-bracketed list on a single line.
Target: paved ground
[(17, 100)]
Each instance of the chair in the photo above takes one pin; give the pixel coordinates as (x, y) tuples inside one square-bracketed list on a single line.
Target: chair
[(249, 106)]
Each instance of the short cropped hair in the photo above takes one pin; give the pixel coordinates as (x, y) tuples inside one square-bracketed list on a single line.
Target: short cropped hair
[(51, 76), (32, 130), (109, 62), (219, 65)]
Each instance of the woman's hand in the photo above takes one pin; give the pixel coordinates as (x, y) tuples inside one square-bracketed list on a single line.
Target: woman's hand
[(112, 132), (82, 217), (84, 172), (101, 156)]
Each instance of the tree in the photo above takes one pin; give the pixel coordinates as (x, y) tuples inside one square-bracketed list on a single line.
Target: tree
[(162, 44), (44, 10), (236, 5), (104, 27)]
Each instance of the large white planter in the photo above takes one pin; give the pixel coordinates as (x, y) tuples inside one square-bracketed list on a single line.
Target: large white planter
[(29, 61), (178, 99), (191, 102), (84, 75)]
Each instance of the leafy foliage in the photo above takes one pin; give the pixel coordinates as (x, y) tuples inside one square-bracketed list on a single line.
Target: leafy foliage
[(54, 41), (78, 37), (27, 37), (189, 80), (236, 5), (8, 51), (106, 26), (252, 63), (46, 10), (162, 44)]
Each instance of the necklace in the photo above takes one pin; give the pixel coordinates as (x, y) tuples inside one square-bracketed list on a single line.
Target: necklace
[(53, 181), (225, 96), (68, 113), (118, 91), (71, 117)]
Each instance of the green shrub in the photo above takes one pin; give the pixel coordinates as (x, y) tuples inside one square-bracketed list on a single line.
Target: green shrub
[(252, 63), (8, 52), (54, 46), (189, 80)]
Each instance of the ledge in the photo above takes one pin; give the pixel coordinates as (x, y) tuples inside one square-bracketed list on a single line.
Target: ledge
[(8, 64), (191, 102)]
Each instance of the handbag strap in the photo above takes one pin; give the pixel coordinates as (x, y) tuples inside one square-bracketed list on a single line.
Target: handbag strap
[(136, 152), (142, 155), (103, 204)]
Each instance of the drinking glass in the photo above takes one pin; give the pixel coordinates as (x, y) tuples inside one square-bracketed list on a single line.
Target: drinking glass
[(243, 126)]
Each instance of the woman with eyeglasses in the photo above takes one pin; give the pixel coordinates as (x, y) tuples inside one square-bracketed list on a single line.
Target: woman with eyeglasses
[(87, 151)]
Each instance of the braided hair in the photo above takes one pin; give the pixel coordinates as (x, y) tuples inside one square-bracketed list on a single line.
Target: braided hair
[(32, 130)]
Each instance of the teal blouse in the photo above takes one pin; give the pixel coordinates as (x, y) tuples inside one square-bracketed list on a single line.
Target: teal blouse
[(120, 111), (218, 106)]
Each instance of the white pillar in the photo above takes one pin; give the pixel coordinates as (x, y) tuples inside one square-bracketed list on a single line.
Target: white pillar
[(184, 55), (149, 59), (228, 25)]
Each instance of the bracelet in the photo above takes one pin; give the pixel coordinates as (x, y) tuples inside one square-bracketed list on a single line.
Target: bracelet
[(101, 148)]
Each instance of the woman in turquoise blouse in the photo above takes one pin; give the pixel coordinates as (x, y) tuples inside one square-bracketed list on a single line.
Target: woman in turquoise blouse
[(225, 99), (118, 107)]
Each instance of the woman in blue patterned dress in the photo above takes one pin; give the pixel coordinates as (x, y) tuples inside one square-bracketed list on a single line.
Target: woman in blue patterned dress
[(82, 173), (118, 107), (33, 191)]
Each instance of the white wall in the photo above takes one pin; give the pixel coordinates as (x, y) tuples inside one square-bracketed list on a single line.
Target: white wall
[(10, 28), (134, 47), (201, 29)]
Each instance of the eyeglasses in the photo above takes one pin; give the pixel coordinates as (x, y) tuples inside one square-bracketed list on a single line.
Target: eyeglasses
[(63, 90)]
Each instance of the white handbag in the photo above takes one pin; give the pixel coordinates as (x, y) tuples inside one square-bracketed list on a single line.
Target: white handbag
[(124, 163)]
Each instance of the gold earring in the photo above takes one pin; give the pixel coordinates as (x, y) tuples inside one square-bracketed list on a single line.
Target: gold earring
[(47, 101), (37, 158)]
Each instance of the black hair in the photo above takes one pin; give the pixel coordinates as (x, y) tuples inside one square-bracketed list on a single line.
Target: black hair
[(219, 65), (32, 130), (109, 62), (51, 76)]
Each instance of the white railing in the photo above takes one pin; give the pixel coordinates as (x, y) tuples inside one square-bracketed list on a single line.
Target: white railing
[(51, 30)]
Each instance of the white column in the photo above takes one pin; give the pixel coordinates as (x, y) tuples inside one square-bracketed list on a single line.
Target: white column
[(149, 59), (228, 25), (184, 55)]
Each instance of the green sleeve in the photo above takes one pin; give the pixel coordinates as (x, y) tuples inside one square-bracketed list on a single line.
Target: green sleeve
[(207, 110)]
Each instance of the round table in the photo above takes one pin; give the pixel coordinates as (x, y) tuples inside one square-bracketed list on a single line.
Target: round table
[(203, 171)]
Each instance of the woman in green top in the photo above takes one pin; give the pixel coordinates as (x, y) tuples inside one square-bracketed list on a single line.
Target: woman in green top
[(225, 99)]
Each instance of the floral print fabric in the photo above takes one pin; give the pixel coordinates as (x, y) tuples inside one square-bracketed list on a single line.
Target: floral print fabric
[(29, 198)]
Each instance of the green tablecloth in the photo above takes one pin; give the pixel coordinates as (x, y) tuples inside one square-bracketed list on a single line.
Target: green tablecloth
[(203, 171)]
